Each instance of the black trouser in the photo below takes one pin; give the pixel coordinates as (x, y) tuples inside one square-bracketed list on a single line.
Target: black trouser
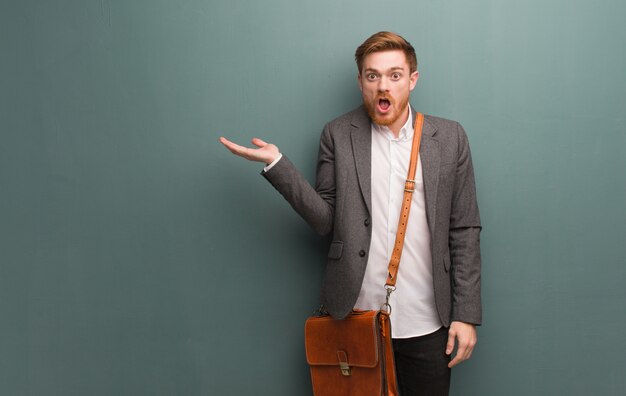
[(422, 364)]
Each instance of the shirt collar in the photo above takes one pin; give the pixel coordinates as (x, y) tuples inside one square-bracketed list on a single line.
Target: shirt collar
[(406, 132)]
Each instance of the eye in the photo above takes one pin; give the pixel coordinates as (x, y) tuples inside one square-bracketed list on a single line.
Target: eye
[(396, 76), (371, 76)]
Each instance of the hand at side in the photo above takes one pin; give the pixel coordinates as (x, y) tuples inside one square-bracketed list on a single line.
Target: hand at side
[(266, 152), (465, 333)]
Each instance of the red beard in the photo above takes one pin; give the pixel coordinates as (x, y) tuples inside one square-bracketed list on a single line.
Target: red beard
[(388, 118)]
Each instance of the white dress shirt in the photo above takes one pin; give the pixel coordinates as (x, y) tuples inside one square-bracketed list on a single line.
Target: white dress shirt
[(413, 303)]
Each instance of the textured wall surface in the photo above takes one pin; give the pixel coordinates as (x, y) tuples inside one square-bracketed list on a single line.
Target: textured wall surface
[(138, 257)]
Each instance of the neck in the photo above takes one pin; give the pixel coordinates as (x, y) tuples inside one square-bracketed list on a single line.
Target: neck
[(397, 125)]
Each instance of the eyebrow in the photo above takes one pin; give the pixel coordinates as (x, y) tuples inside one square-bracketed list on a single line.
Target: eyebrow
[(369, 69)]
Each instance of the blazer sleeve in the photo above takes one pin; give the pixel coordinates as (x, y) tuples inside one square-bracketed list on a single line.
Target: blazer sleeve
[(464, 239), (315, 205)]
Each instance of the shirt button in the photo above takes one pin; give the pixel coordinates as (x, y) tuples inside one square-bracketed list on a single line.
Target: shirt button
[(366, 222), (362, 253)]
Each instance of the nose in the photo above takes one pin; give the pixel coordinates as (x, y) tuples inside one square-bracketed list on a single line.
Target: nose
[(383, 84)]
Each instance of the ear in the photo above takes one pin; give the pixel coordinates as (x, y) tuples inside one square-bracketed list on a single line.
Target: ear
[(413, 79), (358, 78)]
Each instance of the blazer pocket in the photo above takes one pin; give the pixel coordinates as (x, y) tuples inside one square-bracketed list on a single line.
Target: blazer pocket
[(335, 251), (446, 261)]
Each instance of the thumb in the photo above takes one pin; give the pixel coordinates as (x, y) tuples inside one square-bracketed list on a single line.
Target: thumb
[(258, 142), (450, 345)]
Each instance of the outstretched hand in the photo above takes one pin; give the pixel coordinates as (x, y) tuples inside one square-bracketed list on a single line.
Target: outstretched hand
[(266, 152)]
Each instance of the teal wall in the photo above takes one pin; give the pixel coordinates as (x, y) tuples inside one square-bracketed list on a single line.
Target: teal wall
[(138, 257)]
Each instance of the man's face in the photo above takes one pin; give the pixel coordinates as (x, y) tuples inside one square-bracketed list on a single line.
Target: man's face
[(386, 82)]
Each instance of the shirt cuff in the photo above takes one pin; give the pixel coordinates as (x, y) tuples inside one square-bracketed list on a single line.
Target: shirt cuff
[(270, 166)]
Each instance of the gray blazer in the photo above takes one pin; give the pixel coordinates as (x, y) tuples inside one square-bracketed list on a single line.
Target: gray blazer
[(341, 200)]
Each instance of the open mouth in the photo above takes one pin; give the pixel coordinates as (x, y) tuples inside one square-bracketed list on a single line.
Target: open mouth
[(383, 105)]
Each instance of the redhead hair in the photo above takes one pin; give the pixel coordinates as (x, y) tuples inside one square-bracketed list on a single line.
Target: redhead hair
[(385, 41)]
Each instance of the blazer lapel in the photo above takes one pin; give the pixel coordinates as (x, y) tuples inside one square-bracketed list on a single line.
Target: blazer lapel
[(430, 157), (361, 135)]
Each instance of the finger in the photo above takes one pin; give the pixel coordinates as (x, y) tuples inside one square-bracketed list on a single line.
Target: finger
[(229, 145), (464, 352), (233, 147), (258, 142), (457, 359), (470, 349), (468, 342), (468, 355), (450, 344)]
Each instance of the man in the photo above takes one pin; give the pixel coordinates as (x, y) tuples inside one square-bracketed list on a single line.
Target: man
[(361, 171)]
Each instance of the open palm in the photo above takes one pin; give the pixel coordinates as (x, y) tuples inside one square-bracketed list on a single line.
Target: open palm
[(266, 152)]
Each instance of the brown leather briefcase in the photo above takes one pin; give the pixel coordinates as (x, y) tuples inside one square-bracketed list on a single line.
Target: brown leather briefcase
[(354, 356)]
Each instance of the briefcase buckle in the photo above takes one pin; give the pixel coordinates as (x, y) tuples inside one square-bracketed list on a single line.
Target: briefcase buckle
[(345, 369), (343, 363)]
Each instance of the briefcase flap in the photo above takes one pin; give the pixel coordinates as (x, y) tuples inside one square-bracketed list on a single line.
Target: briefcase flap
[(354, 340)]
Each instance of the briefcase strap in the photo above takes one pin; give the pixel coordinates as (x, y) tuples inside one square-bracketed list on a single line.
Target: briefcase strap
[(409, 187)]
